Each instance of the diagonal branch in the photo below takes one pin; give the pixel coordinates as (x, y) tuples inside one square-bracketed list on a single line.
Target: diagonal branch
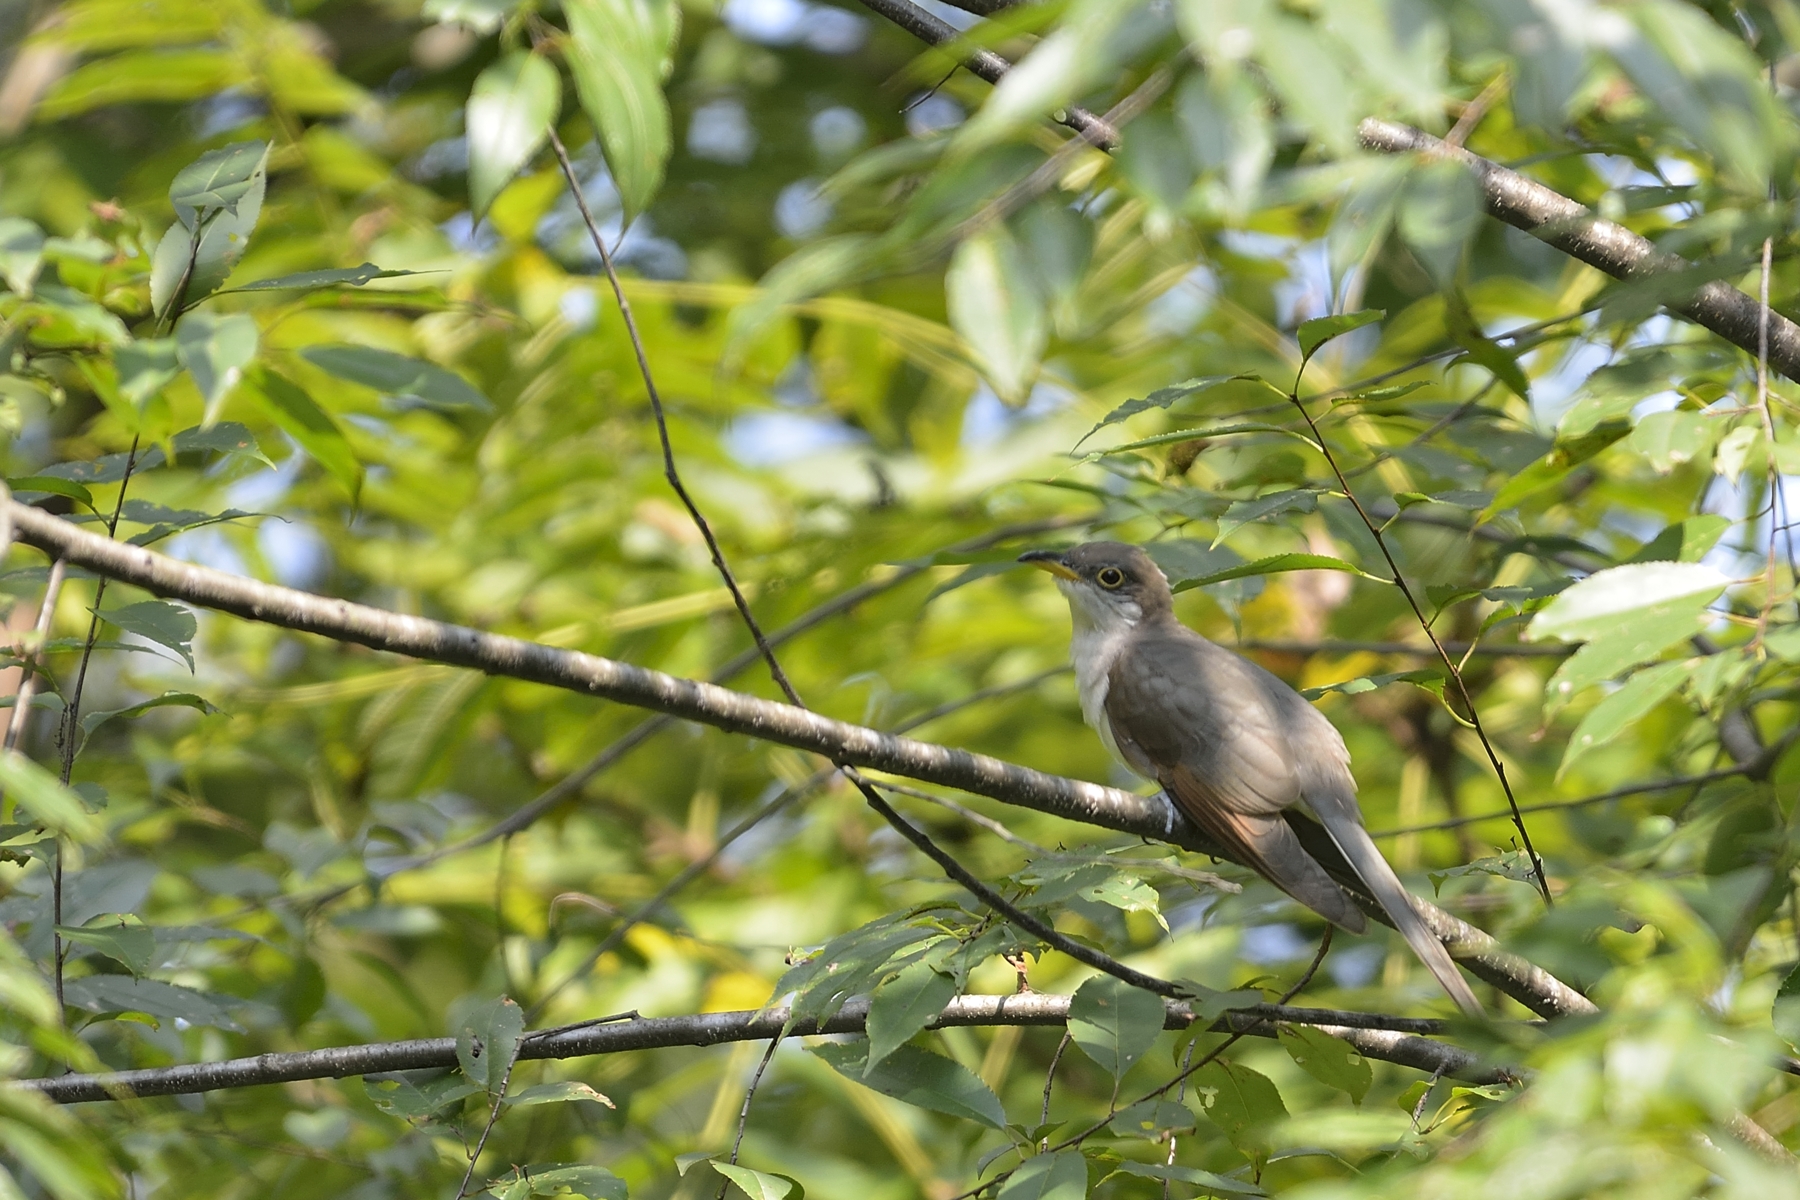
[(1392, 1039), (734, 712), (1558, 221)]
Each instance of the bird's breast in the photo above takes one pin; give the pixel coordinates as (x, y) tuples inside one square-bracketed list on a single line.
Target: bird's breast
[(1093, 652)]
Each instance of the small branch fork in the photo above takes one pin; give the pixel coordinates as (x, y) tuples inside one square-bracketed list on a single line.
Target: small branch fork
[(1402, 1040)]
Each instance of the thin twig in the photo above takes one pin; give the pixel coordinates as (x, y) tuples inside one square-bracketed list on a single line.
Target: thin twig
[(1312, 968), (493, 1117), (15, 728), (1050, 1080), (1456, 677), (1768, 423), (1635, 789), (737, 1143)]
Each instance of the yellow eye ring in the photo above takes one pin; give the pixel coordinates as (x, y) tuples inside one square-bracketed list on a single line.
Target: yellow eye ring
[(1110, 577)]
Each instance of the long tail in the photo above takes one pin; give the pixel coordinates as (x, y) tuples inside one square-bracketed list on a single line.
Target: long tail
[(1359, 848)]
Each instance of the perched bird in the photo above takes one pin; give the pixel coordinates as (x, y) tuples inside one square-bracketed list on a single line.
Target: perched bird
[(1230, 743)]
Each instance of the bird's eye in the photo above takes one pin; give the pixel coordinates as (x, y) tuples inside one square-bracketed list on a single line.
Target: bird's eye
[(1110, 577)]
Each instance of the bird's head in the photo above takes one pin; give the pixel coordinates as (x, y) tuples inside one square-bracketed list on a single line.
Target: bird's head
[(1108, 583)]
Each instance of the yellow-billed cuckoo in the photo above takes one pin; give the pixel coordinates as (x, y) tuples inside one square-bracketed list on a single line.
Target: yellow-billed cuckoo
[(1231, 744)]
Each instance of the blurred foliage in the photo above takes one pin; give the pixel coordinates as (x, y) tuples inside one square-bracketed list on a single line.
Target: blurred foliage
[(297, 290)]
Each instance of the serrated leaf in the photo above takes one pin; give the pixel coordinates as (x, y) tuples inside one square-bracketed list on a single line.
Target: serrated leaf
[(1595, 606), (52, 486), (145, 367), (995, 307), (1114, 1023), (1330, 1060), (904, 1005), (396, 375), (226, 437), (402, 1097), (1207, 1182), (334, 277), (1619, 711), (1275, 564), (1672, 439), (850, 964), (1058, 1175), (561, 1179), (1515, 865), (1547, 471), (511, 108), (1149, 1118), (486, 1041), (1243, 1103), (561, 1092), (1276, 504), (131, 944), (618, 53), (919, 1078), (1429, 678), (760, 1185), (1639, 637), (217, 211), (218, 179), (45, 797), (215, 350), (167, 1001), (1687, 541), (93, 720), (160, 621), (316, 431), (1316, 332), (1167, 396)]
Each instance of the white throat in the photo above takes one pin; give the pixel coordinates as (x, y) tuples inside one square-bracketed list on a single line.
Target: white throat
[(1101, 625)]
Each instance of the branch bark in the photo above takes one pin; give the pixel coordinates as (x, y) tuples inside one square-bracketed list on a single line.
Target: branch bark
[(1391, 1039), (1558, 221), (734, 712)]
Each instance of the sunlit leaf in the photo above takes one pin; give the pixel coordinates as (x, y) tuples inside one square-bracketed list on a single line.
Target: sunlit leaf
[(1114, 1023), (919, 1078), (510, 112), (619, 54)]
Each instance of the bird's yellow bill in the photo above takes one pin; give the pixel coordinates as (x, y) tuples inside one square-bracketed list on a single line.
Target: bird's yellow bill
[(1050, 563)]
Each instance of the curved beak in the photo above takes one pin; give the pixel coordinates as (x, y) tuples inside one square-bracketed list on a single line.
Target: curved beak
[(1049, 560)]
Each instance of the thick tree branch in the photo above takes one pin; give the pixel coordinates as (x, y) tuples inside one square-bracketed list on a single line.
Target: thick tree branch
[(985, 64), (1572, 228), (735, 712), (1392, 1039)]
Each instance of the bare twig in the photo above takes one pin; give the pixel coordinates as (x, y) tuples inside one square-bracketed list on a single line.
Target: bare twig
[(493, 1117), (737, 1143), (1456, 677), (1050, 1080), (1635, 789), (1312, 967)]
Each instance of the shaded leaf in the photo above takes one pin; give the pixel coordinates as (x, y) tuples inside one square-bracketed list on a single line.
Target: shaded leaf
[(560, 1179), (218, 179), (1276, 504), (1243, 1103), (316, 431), (1058, 1175), (307, 280), (93, 720), (1114, 1023), (903, 1006), (995, 306), (1429, 678), (486, 1041), (1551, 468), (133, 945), (1316, 332), (29, 487), (618, 53), (46, 798), (21, 253), (1206, 1181), (1619, 711), (919, 1078), (760, 1185), (161, 621), (147, 366), (396, 375), (1276, 564), (166, 1001), (215, 350), (1330, 1060), (557, 1093)]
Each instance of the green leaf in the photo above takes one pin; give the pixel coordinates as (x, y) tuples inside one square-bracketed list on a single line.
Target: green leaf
[(308, 280), (1429, 678), (482, 16), (561, 1092), (406, 379), (1515, 865), (1168, 396), (1380, 395), (1672, 439), (760, 1185), (561, 1179), (1275, 564), (226, 437), (919, 1078), (167, 1001), (1059, 1175), (1638, 638), (1150, 1118), (1241, 1102), (147, 366), (21, 253), (511, 109), (618, 52), (903, 1006), (220, 179), (1206, 1181), (1114, 1023), (1440, 210), (316, 431), (1619, 711), (93, 720), (1594, 607), (1786, 1012), (1316, 332), (1548, 470), (1482, 350), (52, 486), (486, 1041), (199, 251), (215, 350), (995, 306), (160, 621), (1330, 1060), (48, 801), (850, 964), (1275, 504), (130, 943), (404, 1098), (1685, 542)]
